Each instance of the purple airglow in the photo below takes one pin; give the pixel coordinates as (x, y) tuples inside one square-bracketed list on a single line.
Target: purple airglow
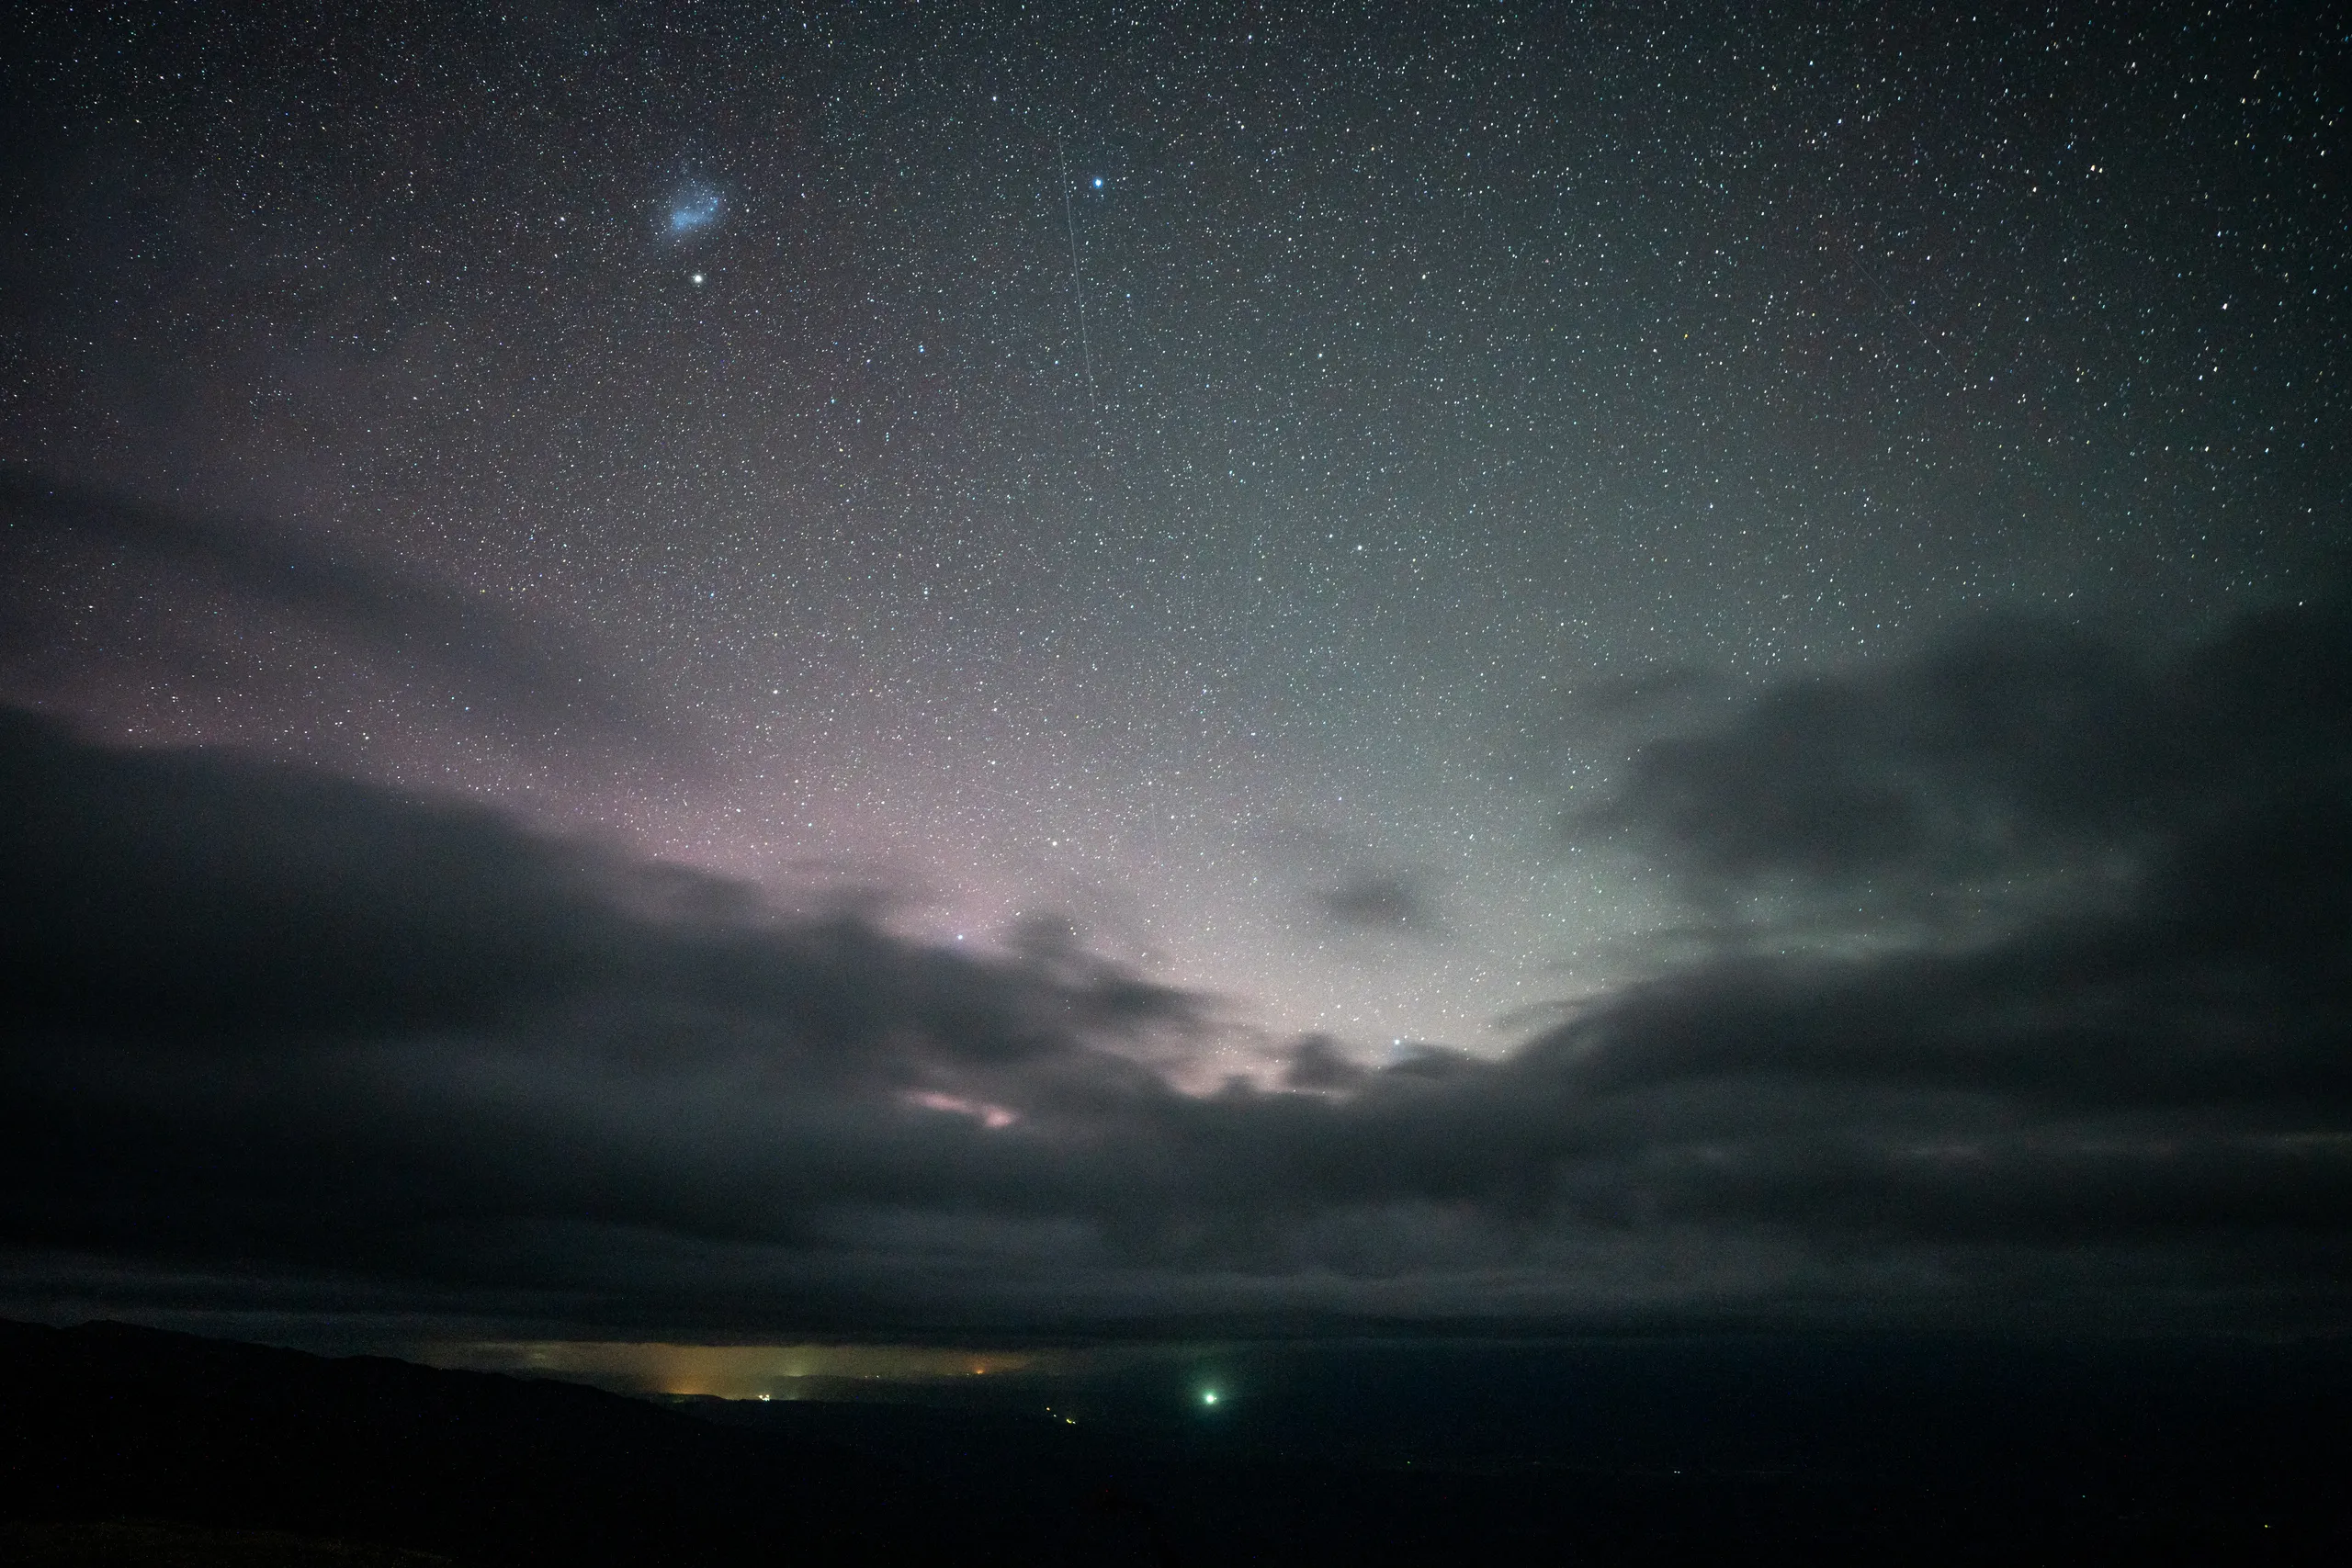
[(993, 1117)]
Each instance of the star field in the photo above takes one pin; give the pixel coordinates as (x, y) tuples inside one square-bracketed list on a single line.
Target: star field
[(1441, 367)]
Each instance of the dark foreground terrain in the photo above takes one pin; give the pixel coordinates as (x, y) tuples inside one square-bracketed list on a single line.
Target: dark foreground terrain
[(108, 1422), (123, 1446)]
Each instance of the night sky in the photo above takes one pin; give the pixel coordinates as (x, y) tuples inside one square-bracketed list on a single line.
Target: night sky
[(744, 671)]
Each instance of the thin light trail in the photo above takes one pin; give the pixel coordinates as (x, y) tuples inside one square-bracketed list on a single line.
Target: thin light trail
[(1077, 278)]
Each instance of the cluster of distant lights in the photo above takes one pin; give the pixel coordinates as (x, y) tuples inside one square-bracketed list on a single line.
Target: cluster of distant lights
[(1210, 1398)]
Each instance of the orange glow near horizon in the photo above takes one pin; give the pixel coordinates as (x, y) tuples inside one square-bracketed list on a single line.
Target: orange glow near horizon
[(730, 1371)]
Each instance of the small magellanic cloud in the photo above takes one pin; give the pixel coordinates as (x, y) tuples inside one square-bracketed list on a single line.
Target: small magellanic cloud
[(697, 209)]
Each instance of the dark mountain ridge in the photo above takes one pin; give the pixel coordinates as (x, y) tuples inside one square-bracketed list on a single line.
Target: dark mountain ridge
[(110, 1421), (225, 1455)]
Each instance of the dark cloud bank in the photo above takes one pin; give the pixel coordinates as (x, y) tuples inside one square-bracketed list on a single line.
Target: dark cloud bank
[(2024, 1001)]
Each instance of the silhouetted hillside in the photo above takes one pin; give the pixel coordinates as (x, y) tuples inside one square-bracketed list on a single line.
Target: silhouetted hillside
[(133, 1448), (108, 1422), (145, 1543)]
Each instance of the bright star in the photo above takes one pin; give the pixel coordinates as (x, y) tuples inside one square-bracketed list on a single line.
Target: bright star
[(697, 281), (1098, 182)]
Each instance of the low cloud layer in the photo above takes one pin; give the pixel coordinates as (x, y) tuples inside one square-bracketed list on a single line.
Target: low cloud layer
[(2025, 997)]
